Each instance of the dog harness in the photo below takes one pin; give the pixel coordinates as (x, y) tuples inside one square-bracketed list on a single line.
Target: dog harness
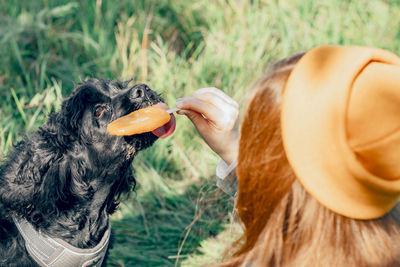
[(54, 252)]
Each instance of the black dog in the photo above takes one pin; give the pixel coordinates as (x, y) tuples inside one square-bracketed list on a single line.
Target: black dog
[(67, 177)]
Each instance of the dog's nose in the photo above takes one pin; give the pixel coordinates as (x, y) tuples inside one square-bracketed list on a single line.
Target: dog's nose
[(138, 91)]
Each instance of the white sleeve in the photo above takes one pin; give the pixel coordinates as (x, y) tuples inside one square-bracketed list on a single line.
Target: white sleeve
[(226, 174), (223, 169)]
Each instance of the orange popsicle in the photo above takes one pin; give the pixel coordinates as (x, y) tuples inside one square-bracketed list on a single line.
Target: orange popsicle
[(140, 121)]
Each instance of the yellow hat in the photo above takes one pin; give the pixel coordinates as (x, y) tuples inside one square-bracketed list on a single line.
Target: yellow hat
[(341, 128)]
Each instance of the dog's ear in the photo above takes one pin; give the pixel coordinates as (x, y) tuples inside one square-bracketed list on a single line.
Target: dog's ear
[(69, 117), (73, 107), (33, 192), (68, 185), (62, 187), (122, 187), (72, 110)]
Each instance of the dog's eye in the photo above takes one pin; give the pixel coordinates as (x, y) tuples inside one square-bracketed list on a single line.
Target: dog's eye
[(98, 110)]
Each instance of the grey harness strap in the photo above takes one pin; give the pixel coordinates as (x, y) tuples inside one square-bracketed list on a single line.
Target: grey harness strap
[(54, 252)]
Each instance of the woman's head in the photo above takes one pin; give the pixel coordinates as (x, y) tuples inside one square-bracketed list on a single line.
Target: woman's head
[(284, 224)]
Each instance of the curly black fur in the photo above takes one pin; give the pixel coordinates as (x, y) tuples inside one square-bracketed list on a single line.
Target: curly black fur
[(68, 176)]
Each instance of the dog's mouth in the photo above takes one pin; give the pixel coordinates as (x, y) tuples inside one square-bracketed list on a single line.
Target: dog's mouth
[(168, 128), (128, 126)]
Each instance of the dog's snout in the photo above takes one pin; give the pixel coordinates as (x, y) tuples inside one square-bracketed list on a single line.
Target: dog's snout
[(138, 91)]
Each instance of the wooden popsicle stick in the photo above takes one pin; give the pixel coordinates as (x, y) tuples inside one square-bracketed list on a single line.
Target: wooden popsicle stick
[(172, 110)]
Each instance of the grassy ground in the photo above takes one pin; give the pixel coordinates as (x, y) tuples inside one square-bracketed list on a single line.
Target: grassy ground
[(178, 217)]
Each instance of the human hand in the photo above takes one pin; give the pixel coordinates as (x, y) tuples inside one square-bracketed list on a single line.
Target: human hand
[(215, 116)]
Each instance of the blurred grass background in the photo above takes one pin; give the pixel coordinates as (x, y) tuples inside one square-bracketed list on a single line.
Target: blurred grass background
[(178, 217)]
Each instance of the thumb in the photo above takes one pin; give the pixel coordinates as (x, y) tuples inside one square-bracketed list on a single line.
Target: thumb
[(197, 119)]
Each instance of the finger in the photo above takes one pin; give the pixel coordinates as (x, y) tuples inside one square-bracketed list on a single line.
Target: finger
[(232, 111), (215, 100), (217, 92), (212, 91), (194, 104), (201, 123), (221, 116)]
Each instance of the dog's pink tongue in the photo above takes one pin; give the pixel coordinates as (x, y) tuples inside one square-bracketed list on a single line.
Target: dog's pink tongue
[(168, 128)]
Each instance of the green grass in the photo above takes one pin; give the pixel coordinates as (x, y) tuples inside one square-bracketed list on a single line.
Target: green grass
[(176, 46)]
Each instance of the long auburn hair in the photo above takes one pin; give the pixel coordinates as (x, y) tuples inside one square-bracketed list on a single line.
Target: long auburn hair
[(284, 225)]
